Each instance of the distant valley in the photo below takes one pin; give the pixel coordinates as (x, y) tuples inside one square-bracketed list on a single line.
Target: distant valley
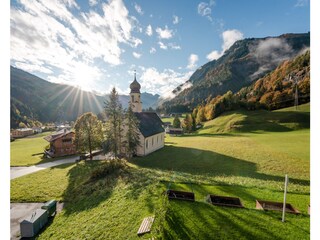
[(33, 98)]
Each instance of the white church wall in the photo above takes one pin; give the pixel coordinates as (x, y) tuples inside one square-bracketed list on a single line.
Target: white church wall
[(154, 143)]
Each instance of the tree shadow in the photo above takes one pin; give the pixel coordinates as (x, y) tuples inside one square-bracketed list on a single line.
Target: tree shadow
[(206, 163), (198, 220), (274, 121), (84, 192), (87, 189)]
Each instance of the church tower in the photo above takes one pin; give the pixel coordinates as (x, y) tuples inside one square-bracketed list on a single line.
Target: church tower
[(135, 101)]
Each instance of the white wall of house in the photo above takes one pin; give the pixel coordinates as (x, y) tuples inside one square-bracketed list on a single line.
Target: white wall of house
[(150, 144)]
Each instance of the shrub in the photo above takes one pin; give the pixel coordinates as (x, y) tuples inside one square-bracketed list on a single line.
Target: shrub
[(108, 168)]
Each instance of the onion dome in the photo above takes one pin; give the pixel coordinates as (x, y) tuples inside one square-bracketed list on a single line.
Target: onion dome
[(135, 86)]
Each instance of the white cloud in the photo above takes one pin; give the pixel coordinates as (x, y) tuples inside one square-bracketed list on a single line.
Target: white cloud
[(57, 35), (165, 33), (136, 55), (301, 3), (169, 45), (269, 53), (154, 81), (138, 9), (193, 59), (152, 50), (174, 46), (162, 45), (205, 9), (176, 19), (149, 30), (229, 37), (214, 55), (93, 2)]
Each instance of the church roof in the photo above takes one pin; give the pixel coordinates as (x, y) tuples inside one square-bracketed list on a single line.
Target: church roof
[(149, 123), (135, 86)]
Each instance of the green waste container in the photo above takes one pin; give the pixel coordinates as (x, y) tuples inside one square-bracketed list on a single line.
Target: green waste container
[(32, 225), (50, 206)]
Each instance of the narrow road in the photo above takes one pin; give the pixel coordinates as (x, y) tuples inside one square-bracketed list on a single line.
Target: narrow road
[(16, 172)]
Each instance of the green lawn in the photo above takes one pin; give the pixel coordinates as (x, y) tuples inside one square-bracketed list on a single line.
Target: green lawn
[(28, 151), (249, 163)]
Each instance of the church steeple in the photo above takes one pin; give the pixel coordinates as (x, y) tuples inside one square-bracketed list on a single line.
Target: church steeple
[(135, 102)]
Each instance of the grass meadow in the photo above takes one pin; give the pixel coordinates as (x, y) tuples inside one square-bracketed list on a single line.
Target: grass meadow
[(233, 155), (28, 151)]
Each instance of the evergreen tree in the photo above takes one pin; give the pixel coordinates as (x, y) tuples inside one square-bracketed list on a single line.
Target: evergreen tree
[(132, 134), (113, 111), (88, 133), (176, 122)]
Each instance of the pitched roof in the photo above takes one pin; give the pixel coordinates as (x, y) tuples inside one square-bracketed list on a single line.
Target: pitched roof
[(149, 123), (57, 135)]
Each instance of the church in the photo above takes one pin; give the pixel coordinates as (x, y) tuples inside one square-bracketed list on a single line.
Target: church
[(151, 131)]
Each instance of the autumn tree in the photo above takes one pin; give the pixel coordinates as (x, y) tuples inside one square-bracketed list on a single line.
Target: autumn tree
[(188, 123), (88, 133)]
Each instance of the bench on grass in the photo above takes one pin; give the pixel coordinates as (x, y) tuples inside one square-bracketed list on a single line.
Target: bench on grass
[(145, 226)]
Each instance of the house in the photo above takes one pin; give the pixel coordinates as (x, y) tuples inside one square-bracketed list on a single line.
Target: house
[(37, 129), (174, 131), (151, 131), (61, 144), (21, 132)]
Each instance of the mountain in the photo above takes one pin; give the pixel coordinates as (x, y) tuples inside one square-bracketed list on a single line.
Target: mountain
[(33, 98), (243, 63), (287, 85)]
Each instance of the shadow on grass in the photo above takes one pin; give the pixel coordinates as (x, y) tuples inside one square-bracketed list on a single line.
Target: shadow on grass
[(88, 187), (205, 163), (199, 220), (263, 120)]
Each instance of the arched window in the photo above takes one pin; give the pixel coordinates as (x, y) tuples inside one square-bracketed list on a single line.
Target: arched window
[(147, 143), (132, 98)]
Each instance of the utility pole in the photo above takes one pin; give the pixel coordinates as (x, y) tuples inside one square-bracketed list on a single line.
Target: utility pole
[(285, 197)]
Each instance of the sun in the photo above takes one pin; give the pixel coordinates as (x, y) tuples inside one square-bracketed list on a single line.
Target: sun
[(84, 79)]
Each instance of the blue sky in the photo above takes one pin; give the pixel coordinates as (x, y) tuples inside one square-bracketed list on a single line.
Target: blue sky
[(97, 44)]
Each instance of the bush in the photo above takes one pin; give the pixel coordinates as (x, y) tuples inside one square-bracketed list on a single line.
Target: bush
[(108, 168)]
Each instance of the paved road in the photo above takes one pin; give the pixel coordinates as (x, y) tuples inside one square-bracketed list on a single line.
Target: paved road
[(16, 172)]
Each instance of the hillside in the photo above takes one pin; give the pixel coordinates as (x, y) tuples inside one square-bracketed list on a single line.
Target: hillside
[(282, 120), (287, 85), (33, 98), (243, 63)]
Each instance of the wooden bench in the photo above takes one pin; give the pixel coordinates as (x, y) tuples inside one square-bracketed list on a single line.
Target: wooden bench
[(145, 226)]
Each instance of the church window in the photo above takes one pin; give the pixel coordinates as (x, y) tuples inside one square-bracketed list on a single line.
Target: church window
[(152, 141), (147, 143), (132, 98)]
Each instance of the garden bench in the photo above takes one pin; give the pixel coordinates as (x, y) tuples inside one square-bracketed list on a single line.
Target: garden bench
[(145, 226)]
